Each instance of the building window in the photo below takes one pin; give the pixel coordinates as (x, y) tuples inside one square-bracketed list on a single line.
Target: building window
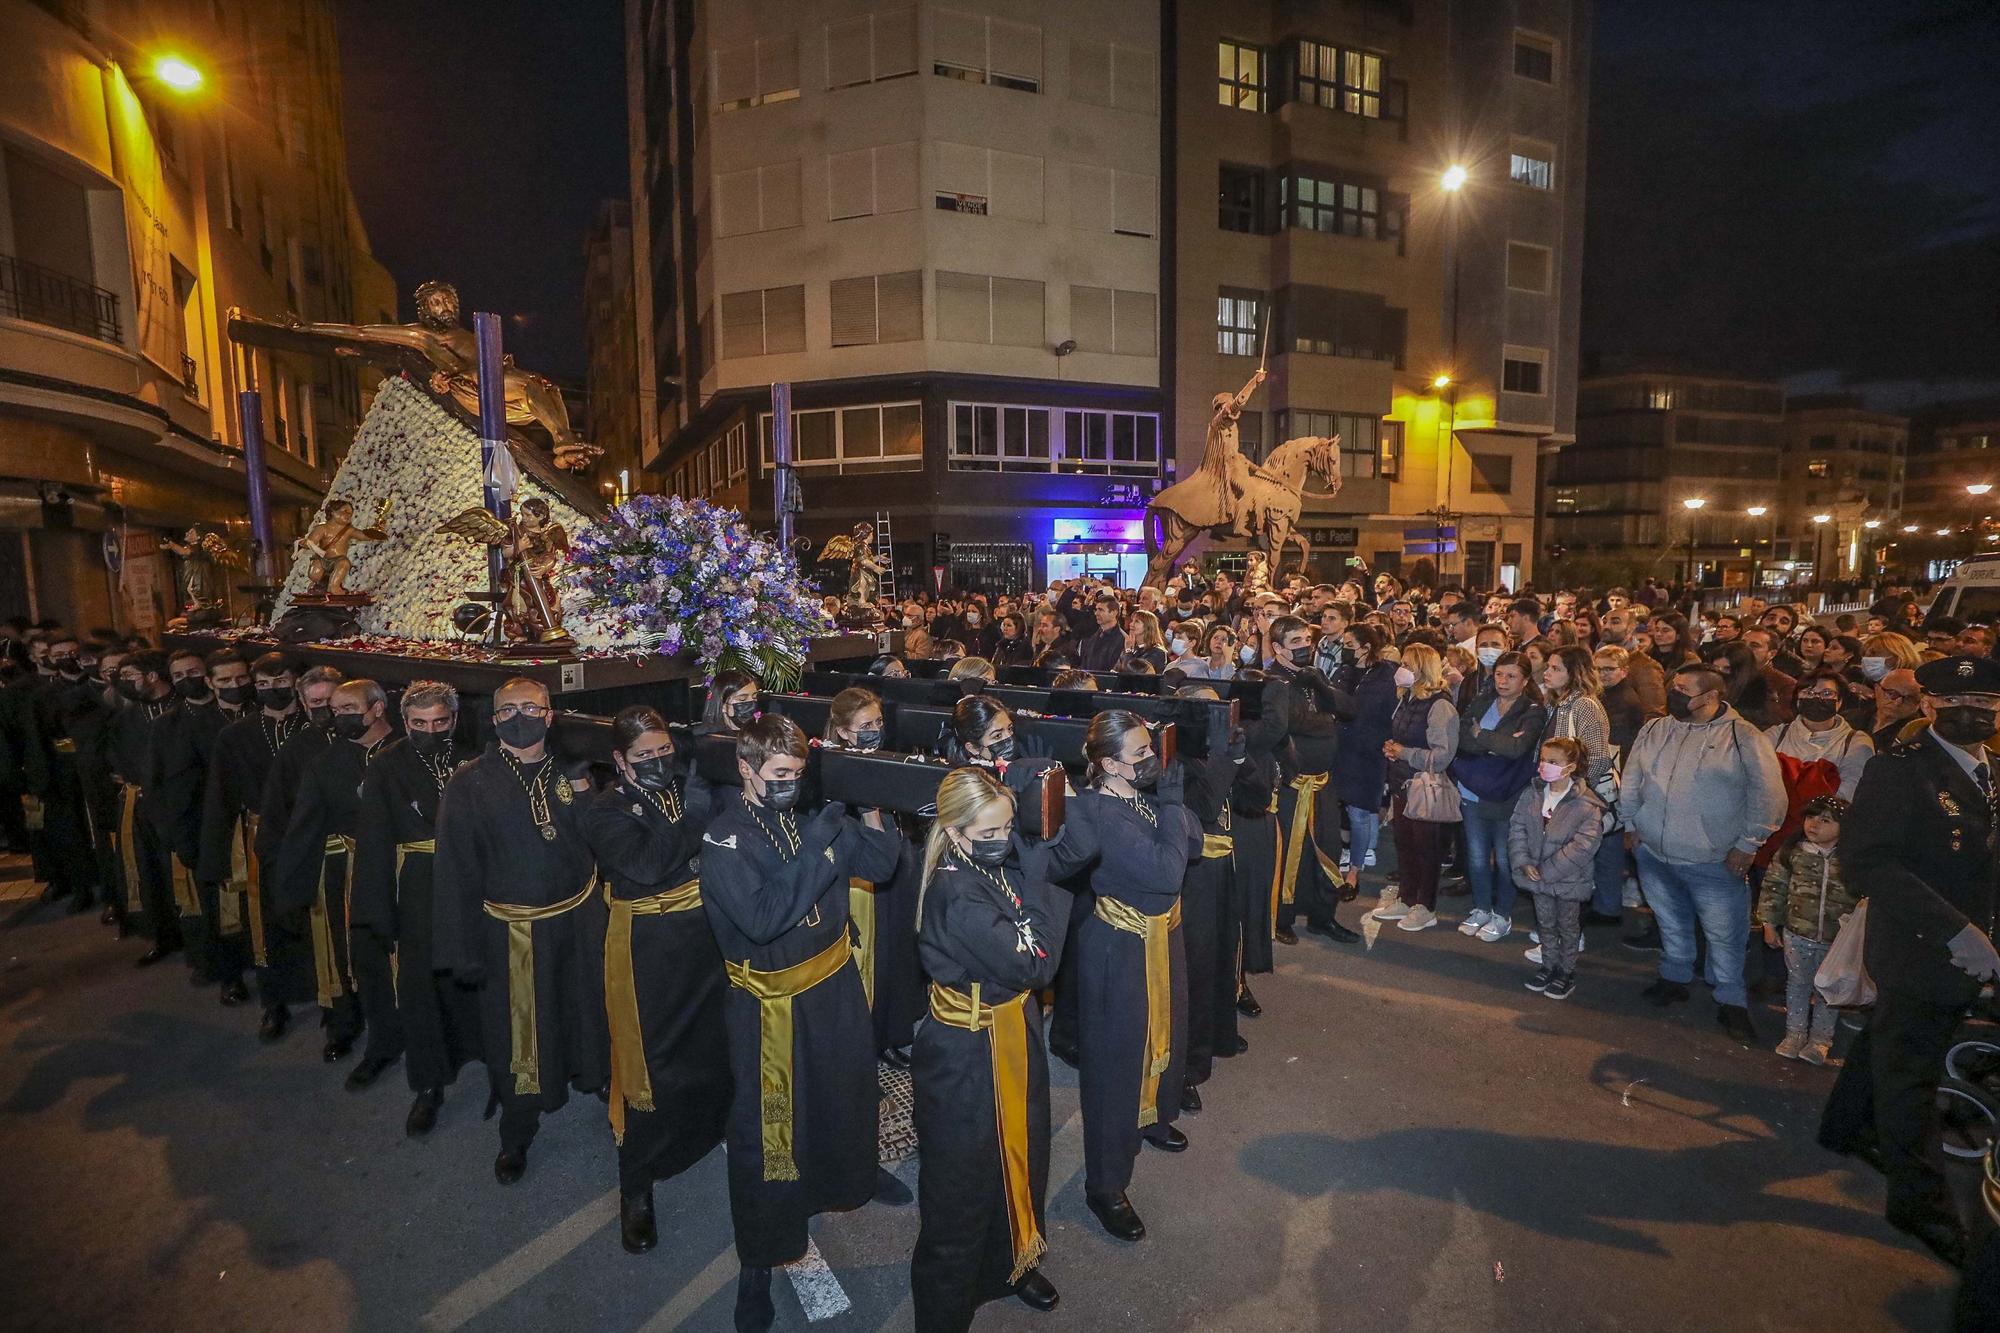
[(1523, 370), (762, 323), (869, 437), (1002, 437), (1125, 203), (871, 48), (992, 437), (976, 308), (757, 74), (1340, 79), (1105, 74), (1336, 207), (1102, 319), (1492, 474), (1660, 397), (1818, 467), (1240, 199), (1532, 165), (757, 199), (1534, 57), (1239, 321), (869, 181), (1332, 321), (986, 181), (1242, 70), (977, 49), (735, 450), (1364, 455), (1528, 267), (881, 308)]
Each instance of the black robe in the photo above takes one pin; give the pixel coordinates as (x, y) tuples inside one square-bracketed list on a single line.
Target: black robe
[(677, 986), (239, 763), (394, 904), (147, 856), (1139, 863), (889, 943), (973, 933), (771, 909), (490, 850), (1211, 916), (310, 883), (63, 846)]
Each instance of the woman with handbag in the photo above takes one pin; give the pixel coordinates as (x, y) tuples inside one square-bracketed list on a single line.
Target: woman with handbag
[(1571, 691), (1423, 740)]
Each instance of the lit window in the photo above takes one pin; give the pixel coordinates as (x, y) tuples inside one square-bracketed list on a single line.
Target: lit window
[(1336, 207), (1240, 71), (1340, 79), (1239, 316), (1531, 167)]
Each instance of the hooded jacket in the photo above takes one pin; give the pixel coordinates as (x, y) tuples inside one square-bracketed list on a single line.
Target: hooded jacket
[(1696, 791)]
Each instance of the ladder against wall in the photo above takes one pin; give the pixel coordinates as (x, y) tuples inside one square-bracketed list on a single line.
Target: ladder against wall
[(885, 554)]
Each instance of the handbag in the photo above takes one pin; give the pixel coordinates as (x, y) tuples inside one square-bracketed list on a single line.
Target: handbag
[(1842, 979), (1430, 798)]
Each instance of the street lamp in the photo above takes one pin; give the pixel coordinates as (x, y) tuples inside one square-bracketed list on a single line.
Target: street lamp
[(1441, 381), (1692, 504), (1453, 179), (1819, 558), (177, 74), (1909, 527), (1979, 488), (1757, 511)]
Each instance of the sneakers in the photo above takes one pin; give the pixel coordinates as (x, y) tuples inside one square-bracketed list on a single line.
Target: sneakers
[(1561, 987), (1417, 918), (1496, 928), (1790, 1047), (1393, 908), (1534, 937), (1533, 955), (1368, 861), (1734, 1019), (1540, 981), (1474, 919), (1346, 861), (1816, 1052)]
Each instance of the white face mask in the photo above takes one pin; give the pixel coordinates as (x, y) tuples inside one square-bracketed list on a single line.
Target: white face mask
[(1405, 678), (1874, 668), (1246, 654), (1487, 657), (1178, 644)]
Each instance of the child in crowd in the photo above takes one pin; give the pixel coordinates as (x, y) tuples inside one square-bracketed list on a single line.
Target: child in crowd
[(1552, 841), (1803, 901)]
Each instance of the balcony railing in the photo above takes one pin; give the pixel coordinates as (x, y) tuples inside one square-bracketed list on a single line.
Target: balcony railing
[(191, 376), (43, 296)]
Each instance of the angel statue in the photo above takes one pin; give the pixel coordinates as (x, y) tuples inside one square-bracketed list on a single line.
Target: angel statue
[(864, 571), (534, 547), (201, 558), (327, 544)]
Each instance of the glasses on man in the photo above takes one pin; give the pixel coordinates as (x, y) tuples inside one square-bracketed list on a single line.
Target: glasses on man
[(505, 711)]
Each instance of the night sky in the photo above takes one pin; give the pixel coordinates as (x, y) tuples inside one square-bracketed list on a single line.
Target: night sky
[(1775, 186)]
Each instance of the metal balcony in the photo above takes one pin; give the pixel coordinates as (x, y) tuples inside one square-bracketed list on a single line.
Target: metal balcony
[(43, 296)]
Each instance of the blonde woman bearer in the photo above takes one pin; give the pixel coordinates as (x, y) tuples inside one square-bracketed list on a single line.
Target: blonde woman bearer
[(991, 937)]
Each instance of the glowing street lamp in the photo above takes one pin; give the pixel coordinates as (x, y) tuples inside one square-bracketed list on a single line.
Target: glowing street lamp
[(1757, 511), (1944, 532), (177, 74), (1872, 524), (1822, 518), (1441, 380), (1454, 179), (1693, 502), (1979, 488), (1909, 527)]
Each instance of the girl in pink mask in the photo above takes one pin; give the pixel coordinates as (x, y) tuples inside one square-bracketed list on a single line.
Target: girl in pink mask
[(1552, 840)]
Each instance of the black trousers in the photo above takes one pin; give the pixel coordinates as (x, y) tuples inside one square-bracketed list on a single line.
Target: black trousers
[(162, 915), (1886, 1096), (1209, 924), (1063, 1017), (228, 951), (375, 987), (1256, 838)]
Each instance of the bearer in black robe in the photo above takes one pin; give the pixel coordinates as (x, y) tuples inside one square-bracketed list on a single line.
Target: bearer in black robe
[(144, 850), (1253, 806), (670, 1081), (393, 906), (177, 779), (239, 763), (519, 916), (803, 1122), (225, 921), (313, 885), (65, 831), (1211, 916), (87, 712), (298, 972), (991, 937), (1131, 967)]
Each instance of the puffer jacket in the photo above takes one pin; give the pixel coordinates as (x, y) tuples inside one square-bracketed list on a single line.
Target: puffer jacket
[(1805, 893), (1564, 849)]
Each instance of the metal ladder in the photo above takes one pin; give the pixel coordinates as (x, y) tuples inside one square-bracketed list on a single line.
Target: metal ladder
[(885, 554)]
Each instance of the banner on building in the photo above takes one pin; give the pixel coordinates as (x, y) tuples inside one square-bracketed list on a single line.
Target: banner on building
[(156, 316)]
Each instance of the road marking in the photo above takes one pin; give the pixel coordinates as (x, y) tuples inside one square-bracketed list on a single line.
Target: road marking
[(691, 1297), (494, 1285), (819, 1291)]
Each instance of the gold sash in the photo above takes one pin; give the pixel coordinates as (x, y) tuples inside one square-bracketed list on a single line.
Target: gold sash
[(326, 963), (774, 992), (128, 846), (242, 898), (861, 911), (186, 896), (1303, 831), (1154, 930), (525, 1053), (34, 817), (1008, 1022), (1214, 846), (630, 1083)]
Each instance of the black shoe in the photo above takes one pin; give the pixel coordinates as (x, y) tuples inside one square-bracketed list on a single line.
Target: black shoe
[(1560, 987), (636, 1231), (1593, 917), (1663, 992), (1336, 932), (277, 1020), (1735, 1020), (1246, 1005), (754, 1311), (1190, 1099), (510, 1165), (423, 1115), (1232, 1046), (1117, 1216), (1065, 1051), (337, 1049), (896, 1057), (1284, 935), (234, 993), (1540, 981), (890, 1190), (1347, 893), (1942, 1236), (109, 917), (1647, 940), (1166, 1138), (364, 1074), (1036, 1292), (159, 953)]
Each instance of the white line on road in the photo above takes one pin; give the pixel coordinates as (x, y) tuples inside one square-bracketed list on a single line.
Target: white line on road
[(494, 1285), (819, 1291)]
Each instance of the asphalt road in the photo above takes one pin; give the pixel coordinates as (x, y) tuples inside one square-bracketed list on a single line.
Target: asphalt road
[(1414, 1141)]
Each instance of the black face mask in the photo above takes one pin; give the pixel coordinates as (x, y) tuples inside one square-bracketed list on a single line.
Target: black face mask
[(275, 697), (655, 774), (869, 738), (521, 731), (781, 793), (742, 714), (988, 852), (66, 666), (431, 744), (1001, 751), (1964, 725), (1146, 773), (234, 695), (351, 726), (1679, 705), (1301, 657), (1818, 710), (321, 716), (191, 688), (131, 689)]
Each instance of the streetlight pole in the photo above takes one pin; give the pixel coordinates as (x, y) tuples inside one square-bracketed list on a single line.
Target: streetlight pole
[(1693, 506)]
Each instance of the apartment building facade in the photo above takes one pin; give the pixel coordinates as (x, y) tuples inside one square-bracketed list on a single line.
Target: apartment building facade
[(612, 378), (1841, 505)]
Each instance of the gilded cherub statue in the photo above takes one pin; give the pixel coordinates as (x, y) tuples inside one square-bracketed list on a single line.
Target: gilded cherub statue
[(327, 544)]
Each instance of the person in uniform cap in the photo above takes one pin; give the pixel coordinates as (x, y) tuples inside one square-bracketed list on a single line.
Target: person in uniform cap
[(1922, 839)]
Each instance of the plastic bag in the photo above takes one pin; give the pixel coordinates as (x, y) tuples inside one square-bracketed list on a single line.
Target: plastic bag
[(1842, 980)]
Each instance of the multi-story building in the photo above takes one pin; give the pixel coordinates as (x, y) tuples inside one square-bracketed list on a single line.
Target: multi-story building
[(977, 240), (1841, 492), (611, 343), (157, 167), (1951, 499), (1674, 466)]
